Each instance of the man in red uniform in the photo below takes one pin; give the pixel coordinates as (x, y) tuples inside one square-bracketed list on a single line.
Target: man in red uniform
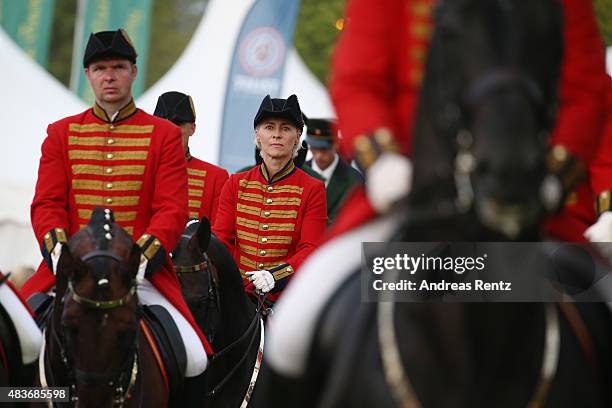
[(377, 70), (204, 180), (119, 157), (272, 216)]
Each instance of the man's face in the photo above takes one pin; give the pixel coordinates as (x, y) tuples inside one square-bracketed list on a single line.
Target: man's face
[(187, 130), (323, 157), (111, 80), (278, 138)]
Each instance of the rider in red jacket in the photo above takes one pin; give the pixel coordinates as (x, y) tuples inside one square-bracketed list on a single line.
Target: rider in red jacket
[(377, 70)]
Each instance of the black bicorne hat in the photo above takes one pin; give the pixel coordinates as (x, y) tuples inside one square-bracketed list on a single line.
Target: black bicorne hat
[(321, 133), (176, 107), (108, 44), (280, 108)]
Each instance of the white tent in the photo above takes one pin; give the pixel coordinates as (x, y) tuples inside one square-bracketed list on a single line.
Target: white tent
[(33, 99), (203, 69)]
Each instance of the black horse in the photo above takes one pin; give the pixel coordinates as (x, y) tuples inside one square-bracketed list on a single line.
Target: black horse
[(486, 108), (94, 339), (213, 289)]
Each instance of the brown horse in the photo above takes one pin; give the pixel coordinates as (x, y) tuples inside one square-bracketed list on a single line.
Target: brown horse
[(94, 340)]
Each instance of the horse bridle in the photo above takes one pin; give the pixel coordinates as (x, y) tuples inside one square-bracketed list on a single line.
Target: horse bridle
[(122, 379)]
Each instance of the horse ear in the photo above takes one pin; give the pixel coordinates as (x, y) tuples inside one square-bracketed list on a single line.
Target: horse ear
[(203, 234)]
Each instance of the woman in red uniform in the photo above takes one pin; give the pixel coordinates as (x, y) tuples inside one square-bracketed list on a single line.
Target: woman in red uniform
[(272, 216)]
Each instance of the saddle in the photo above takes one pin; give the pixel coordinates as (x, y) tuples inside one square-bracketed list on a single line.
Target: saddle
[(165, 339), (41, 304)]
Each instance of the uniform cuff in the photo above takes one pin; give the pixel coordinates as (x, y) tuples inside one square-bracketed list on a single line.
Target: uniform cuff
[(369, 147), (602, 204), (50, 239), (566, 167), (281, 275), (153, 250)]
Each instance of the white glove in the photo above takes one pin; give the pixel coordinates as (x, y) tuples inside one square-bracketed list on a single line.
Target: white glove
[(263, 280), (55, 256), (600, 234), (388, 180), (142, 268)]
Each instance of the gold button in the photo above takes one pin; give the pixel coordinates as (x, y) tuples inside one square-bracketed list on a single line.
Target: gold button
[(265, 227), (262, 252), (109, 156), (270, 189), (109, 200), (269, 201), (110, 141), (109, 170), (264, 239), (112, 127), (260, 266), (109, 185), (266, 213)]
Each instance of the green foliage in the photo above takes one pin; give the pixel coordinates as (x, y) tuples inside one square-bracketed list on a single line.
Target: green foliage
[(62, 36), (316, 33), (173, 23), (172, 26), (603, 9)]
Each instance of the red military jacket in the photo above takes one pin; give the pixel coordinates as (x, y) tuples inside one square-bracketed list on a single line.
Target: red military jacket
[(204, 184), (601, 166), (271, 223), (375, 83), (134, 165)]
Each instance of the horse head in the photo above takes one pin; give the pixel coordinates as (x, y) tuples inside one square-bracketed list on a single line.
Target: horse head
[(487, 106), (199, 278), (99, 320)]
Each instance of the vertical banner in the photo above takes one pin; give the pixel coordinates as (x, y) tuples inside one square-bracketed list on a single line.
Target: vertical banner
[(257, 69), (28, 23), (101, 15)]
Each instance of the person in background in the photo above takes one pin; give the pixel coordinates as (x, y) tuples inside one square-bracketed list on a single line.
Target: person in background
[(272, 216), (339, 176), (204, 180)]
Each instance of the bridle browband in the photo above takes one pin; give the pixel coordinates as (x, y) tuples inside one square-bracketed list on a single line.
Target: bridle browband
[(102, 304), (191, 268)]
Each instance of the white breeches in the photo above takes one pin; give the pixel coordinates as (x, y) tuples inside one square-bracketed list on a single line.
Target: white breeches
[(30, 337), (297, 312), (196, 355)]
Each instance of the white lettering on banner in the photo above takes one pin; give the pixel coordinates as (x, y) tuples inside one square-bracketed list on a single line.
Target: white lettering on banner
[(247, 84)]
